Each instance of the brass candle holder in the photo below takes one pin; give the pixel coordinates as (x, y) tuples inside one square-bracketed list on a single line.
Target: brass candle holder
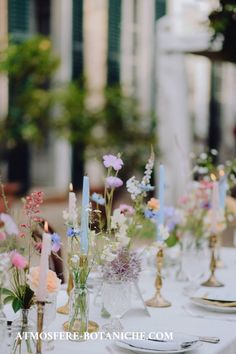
[(157, 300), (40, 316), (64, 310), (212, 281)]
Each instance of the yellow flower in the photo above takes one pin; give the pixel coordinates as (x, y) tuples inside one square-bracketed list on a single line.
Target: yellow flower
[(153, 204)]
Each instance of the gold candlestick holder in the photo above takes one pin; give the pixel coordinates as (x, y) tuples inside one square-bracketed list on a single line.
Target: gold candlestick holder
[(212, 281), (40, 316), (157, 300), (64, 310)]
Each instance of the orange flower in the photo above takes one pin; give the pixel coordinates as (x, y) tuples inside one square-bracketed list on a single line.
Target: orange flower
[(53, 282), (153, 204)]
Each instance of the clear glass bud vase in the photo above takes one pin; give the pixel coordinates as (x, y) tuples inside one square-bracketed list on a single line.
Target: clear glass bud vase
[(21, 334), (79, 309)]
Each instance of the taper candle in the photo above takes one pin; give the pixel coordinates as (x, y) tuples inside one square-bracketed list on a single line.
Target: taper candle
[(161, 194), (222, 188), (41, 293), (72, 206), (85, 216), (214, 207)]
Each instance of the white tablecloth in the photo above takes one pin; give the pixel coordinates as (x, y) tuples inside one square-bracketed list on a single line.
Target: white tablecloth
[(173, 318)]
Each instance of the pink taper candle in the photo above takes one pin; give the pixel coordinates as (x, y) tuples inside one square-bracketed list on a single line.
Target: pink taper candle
[(215, 207), (44, 264)]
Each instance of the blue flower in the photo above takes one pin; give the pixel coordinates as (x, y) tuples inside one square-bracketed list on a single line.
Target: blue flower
[(56, 242), (71, 232), (146, 188), (98, 198), (150, 214)]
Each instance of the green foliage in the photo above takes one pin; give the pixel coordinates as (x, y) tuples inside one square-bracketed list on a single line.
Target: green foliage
[(223, 23), (125, 128), (29, 66), (74, 121)]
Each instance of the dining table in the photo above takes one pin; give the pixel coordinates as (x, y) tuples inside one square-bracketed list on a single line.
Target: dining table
[(181, 317)]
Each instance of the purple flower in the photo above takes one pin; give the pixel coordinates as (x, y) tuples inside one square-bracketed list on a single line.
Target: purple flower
[(150, 214), (56, 242), (112, 161), (126, 266), (113, 182)]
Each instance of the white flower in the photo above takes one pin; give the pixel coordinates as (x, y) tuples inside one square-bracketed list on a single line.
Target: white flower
[(9, 224), (163, 232), (118, 219), (75, 259), (133, 188), (108, 255)]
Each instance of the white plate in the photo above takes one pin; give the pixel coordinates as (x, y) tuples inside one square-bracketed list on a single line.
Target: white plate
[(151, 351), (212, 307)]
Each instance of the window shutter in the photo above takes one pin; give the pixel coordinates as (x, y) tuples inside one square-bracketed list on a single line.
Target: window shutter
[(18, 19), (77, 55), (114, 21), (160, 8)]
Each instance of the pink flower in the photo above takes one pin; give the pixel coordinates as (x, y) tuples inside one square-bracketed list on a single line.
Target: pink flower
[(126, 209), (32, 203), (112, 161), (18, 260), (3, 236), (113, 182)]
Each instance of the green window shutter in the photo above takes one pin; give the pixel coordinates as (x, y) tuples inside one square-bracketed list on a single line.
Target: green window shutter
[(160, 8), (77, 50), (114, 21), (18, 19)]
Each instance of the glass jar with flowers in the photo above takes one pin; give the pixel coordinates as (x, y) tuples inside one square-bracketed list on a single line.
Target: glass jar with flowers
[(79, 297)]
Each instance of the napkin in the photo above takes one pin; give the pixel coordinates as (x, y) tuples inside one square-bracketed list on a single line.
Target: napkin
[(221, 303), (153, 345)]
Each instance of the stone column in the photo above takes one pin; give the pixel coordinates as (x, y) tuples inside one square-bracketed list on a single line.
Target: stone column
[(3, 45), (61, 34), (95, 68)]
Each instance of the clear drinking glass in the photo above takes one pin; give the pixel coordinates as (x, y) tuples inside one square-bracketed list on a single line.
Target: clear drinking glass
[(117, 301), (195, 262)]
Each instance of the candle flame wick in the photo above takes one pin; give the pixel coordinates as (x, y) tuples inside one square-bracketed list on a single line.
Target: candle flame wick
[(213, 177), (46, 226), (71, 187)]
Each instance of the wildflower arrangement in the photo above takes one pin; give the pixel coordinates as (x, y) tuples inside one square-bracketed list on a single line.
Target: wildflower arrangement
[(20, 293)]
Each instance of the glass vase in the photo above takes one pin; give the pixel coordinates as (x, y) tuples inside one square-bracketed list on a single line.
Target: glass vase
[(21, 334), (117, 301), (79, 308)]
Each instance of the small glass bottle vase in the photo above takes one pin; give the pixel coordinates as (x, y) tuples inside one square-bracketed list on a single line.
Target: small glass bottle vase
[(79, 309), (21, 330)]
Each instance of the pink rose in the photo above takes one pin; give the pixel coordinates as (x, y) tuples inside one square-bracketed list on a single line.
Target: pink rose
[(53, 282), (18, 260)]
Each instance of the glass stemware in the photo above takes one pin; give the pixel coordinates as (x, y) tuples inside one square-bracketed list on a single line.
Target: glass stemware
[(195, 263), (117, 301)]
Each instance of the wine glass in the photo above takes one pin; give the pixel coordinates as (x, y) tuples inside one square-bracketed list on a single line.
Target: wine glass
[(195, 263), (117, 301)]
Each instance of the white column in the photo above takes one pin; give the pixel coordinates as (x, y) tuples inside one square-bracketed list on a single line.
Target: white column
[(95, 48), (145, 53), (173, 126), (3, 45), (95, 29), (61, 33), (126, 52)]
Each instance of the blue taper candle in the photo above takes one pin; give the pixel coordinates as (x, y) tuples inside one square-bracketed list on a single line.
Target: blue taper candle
[(161, 194), (85, 216)]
